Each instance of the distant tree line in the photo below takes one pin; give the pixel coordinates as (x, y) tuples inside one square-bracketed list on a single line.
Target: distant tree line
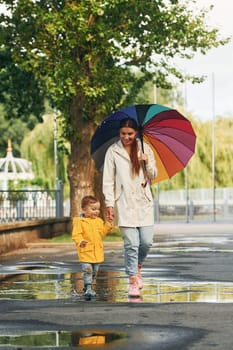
[(37, 146)]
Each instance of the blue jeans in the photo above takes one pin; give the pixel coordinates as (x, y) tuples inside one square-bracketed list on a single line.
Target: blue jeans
[(137, 242), (89, 271)]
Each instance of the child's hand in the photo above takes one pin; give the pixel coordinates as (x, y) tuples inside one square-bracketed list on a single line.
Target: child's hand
[(110, 221), (83, 244)]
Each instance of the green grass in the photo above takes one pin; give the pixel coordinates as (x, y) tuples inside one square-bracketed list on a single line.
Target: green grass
[(64, 238), (113, 236)]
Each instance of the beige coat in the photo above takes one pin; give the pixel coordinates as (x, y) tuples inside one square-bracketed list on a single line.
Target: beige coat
[(133, 203)]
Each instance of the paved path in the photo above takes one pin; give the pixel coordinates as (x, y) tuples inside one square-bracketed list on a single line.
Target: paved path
[(183, 253)]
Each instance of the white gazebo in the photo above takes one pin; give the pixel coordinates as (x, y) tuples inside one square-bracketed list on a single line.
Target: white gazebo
[(15, 169)]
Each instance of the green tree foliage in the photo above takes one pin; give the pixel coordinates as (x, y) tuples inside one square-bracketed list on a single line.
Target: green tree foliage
[(13, 129), (200, 165), (38, 147), (19, 91), (224, 152), (21, 101), (83, 54)]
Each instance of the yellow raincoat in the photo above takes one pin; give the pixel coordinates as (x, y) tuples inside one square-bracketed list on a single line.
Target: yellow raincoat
[(92, 231), (93, 339)]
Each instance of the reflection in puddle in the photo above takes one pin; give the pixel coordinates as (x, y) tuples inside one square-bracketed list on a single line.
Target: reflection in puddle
[(123, 337), (111, 286), (191, 292), (62, 338)]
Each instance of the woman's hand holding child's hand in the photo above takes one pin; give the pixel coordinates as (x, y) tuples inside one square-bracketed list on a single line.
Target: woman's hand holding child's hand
[(109, 214)]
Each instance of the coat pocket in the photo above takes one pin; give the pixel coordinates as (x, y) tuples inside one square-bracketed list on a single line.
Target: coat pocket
[(88, 248), (147, 193)]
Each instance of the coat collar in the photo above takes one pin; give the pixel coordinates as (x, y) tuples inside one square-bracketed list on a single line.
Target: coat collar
[(120, 144), (119, 148)]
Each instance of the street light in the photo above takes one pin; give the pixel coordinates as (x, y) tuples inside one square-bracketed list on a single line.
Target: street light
[(55, 149), (186, 173), (58, 185), (213, 146), (157, 184)]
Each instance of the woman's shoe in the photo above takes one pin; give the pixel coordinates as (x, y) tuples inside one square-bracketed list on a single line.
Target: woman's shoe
[(139, 277), (133, 287)]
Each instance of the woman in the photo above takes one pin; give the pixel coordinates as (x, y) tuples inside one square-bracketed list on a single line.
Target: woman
[(126, 187)]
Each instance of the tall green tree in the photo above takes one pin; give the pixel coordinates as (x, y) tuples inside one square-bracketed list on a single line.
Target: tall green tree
[(83, 55)]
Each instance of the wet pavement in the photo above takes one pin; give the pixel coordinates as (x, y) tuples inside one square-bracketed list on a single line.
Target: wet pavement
[(186, 301)]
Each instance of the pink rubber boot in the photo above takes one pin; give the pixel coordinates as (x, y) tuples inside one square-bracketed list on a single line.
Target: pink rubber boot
[(133, 287)]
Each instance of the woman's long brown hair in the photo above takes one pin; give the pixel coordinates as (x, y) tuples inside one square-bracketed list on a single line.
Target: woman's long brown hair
[(131, 123)]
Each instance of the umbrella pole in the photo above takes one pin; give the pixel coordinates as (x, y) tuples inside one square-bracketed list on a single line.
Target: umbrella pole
[(141, 139), (143, 162)]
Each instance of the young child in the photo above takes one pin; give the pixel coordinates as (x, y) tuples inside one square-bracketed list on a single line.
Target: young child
[(88, 231)]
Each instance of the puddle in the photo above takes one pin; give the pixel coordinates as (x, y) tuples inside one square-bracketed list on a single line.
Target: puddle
[(194, 244), (183, 248), (55, 282), (121, 338), (94, 338)]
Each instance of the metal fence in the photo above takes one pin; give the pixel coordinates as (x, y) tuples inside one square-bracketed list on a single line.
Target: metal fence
[(194, 204), (17, 205), (197, 204)]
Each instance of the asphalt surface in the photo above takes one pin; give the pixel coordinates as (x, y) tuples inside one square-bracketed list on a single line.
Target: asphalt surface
[(182, 253)]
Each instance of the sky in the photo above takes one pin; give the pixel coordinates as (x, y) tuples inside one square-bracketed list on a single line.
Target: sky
[(214, 97)]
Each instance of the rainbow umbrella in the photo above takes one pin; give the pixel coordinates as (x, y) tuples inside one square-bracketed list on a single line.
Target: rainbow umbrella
[(169, 134)]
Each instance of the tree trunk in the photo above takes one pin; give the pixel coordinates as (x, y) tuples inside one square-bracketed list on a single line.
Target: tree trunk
[(81, 168)]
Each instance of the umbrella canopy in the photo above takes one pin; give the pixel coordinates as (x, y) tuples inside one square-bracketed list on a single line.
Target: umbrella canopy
[(169, 134)]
